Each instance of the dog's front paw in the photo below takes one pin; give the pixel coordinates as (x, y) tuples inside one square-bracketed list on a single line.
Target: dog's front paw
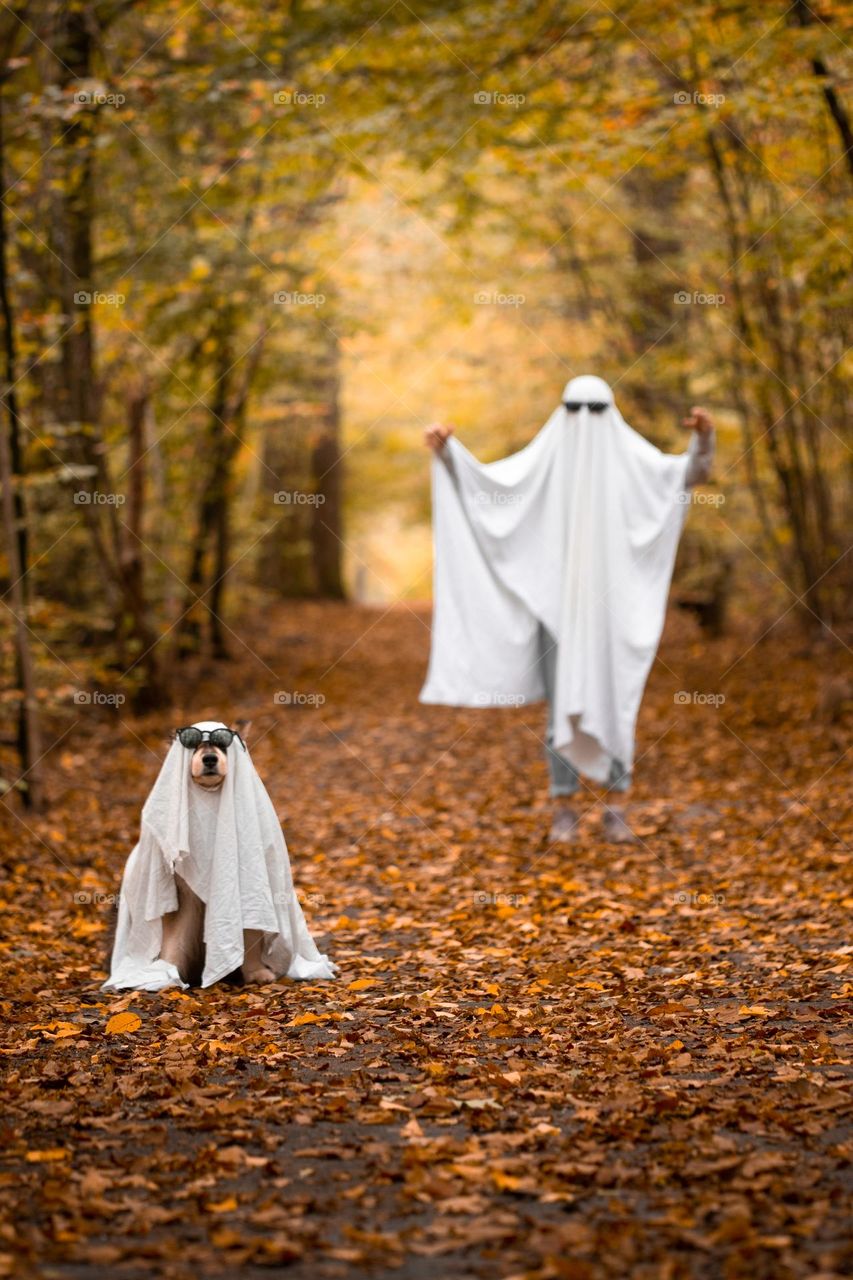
[(259, 974)]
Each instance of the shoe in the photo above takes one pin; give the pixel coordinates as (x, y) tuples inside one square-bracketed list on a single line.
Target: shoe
[(564, 828), (616, 829)]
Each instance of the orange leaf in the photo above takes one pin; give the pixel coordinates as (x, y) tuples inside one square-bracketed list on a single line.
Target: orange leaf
[(123, 1022), (228, 1205), (57, 1030)]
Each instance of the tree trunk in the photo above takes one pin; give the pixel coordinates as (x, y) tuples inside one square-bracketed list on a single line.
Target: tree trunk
[(284, 561), (31, 762), (78, 406), (221, 554), (326, 526), (806, 17), (26, 715), (776, 425), (213, 520), (219, 445), (657, 322), (137, 628)]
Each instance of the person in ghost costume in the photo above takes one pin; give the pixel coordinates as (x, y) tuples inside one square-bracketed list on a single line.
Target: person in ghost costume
[(208, 889), (552, 570)]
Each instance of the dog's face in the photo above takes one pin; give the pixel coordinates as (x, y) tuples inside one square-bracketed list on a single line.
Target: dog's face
[(209, 766)]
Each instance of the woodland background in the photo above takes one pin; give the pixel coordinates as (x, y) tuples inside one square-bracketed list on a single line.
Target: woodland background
[(251, 250)]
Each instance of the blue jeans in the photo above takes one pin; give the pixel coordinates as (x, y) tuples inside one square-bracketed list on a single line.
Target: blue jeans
[(564, 776)]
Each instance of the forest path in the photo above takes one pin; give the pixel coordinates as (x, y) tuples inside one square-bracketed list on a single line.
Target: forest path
[(541, 1062)]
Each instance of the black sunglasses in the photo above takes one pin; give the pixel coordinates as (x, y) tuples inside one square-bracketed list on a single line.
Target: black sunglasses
[(192, 737), (594, 406)]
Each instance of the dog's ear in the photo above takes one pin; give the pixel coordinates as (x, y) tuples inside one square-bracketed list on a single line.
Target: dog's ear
[(244, 728)]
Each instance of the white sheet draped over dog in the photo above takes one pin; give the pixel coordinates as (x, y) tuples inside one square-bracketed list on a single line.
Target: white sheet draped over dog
[(229, 848), (577, 531)]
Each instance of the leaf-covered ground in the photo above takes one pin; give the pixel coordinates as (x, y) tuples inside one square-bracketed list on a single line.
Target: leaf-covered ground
[(537, 1062)]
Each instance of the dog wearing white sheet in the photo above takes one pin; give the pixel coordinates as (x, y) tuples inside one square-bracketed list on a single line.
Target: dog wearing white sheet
[(208, 891)]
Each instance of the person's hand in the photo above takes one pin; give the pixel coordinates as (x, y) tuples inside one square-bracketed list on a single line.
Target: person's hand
[(437, 435), (698, 420)]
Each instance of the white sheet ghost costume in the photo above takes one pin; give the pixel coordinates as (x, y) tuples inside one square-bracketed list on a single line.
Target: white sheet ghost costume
[(577, 532), (228, 846)]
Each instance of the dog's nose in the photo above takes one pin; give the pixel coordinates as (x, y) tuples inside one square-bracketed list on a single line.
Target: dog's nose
[(210, 760)]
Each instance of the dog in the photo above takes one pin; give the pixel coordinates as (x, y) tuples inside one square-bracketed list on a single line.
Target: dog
[(183, 930), (211, 842), (209, 766)]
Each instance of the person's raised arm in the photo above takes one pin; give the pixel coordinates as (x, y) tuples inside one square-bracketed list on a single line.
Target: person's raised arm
[(701, 451), (437, 435)]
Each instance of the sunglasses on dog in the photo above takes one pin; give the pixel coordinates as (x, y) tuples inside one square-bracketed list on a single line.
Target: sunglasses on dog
[(594, 406), (191, 738)]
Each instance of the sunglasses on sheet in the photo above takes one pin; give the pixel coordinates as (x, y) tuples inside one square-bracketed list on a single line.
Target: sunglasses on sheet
[(192, 738), (594, 406)]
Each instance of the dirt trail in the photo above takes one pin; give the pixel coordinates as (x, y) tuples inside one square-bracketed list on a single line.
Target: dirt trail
[(535, 1063)]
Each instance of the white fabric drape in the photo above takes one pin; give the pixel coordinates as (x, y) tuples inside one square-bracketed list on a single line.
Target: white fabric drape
[(577, 531), (229, 847)]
